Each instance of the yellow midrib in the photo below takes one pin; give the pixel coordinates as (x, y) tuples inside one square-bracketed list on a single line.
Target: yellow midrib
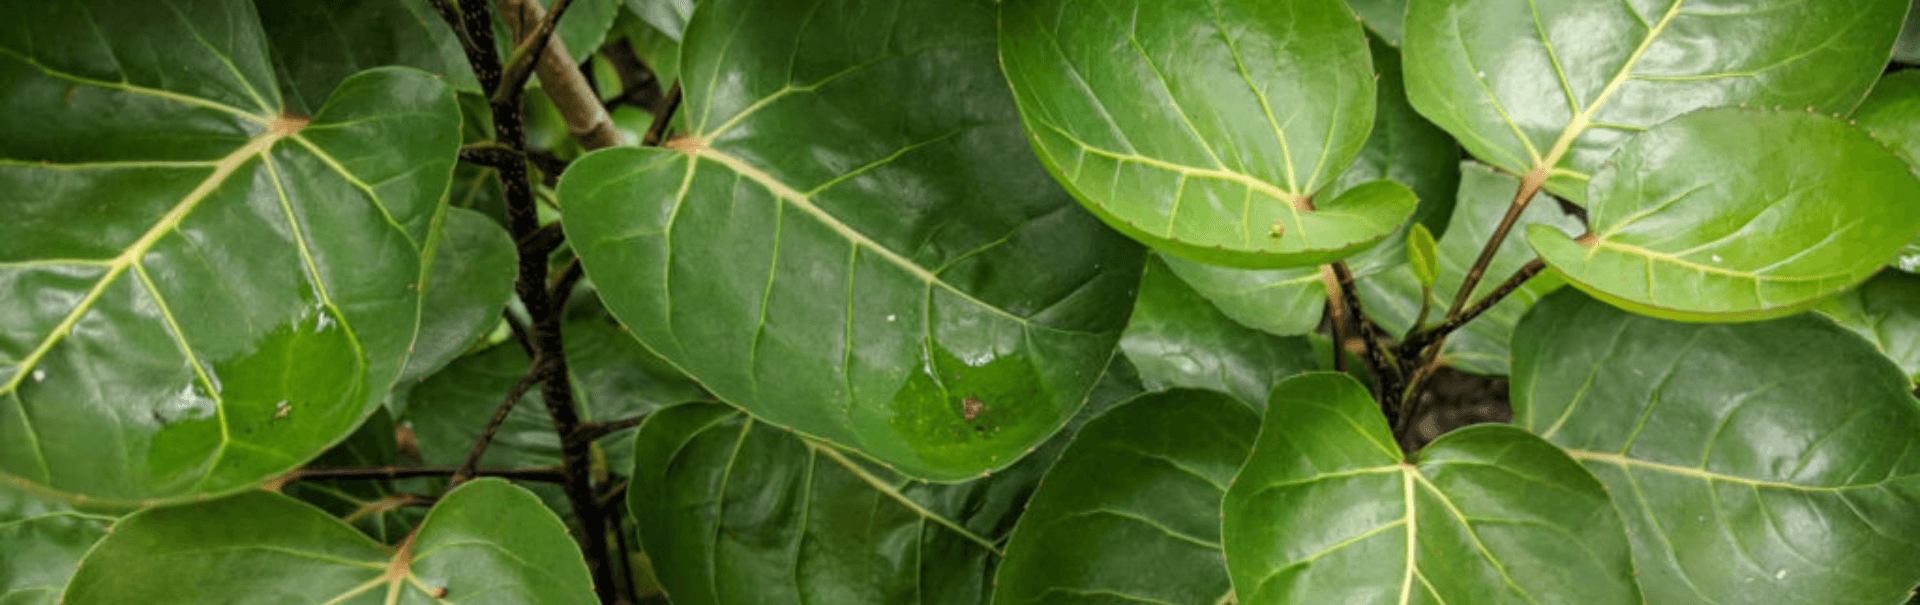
[(1581, 121), (222, 169)]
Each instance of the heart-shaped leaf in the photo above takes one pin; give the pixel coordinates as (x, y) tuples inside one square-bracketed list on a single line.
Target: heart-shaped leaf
[(1206, 129), (1325, 512), (485, 540), (1403, 147), (1886, 311), (1130, 513), (1178, 339), (910, 258), (1708, 218), (1761, 462), (184, 261), (1392, 298), (1548, 90)]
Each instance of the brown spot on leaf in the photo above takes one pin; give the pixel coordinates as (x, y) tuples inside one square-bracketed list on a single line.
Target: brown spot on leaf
[(971, 408)]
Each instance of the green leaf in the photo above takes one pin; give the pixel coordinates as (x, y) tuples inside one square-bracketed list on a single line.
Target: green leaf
[(1131, 511), (735, 511), (1892, 115), (1906, 49), (317, 44), (1386, 18), (371, 505), (582, 29), (1205, 129), (1325, 512), (486, 538), (666, 16), (183, 258), (1709, 218), (1178, 339), (613, 377), (472, 280), (1753, 463), (1886, 311), (907, 256), (1422, 258), (1392, 298), (1405, 148), (1548, 89), (43, 541)]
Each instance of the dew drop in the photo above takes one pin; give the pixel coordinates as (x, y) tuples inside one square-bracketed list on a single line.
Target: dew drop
[(1716, 258), (1780, 575), (890, 317), (1483, 74), (39, 374)]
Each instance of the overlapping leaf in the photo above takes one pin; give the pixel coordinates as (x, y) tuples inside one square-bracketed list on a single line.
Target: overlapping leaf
[(1892, 115), (1178, 339), (373, 506), (1392, 298), (471, 281), (1759, 462), (1403, 147), (1130, 513), (1886, 311), (40, 544), (1709, 218), (204, 291), (669, 17), (852, 240), (1549, 88), (317, 44), (1325, 512), (1206, 129), (485, 541)]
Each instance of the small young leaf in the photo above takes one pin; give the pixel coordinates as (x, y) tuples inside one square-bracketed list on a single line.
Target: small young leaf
[(1196, 127), (1710, 218), (1421, 255), (1325, 511), (1765, 462)]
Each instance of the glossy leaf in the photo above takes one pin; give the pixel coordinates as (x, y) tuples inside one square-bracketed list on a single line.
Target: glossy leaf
[(1760, 462), (738, 512), (1907, 48), (1386, 18), (40, 544), (1549, 88), (1422, 257), (1892, 115), (1130, 513), (183, 259), (471, 281), (1709, 218), (613, 377), (1392, 298), (667, 16), (1205, 129), (1324, 511), (1885, 311), (1178, 339), (485, 540), (853, 240), (1403, 147), (318, 44)]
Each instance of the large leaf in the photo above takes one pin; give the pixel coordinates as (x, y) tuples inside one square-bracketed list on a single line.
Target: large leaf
[(40, 544), (736, 512), (1325, 511), (183, 261), (1549, 88), (485, 541), (1393, 297), (317, 44), (613, 377), (1754, 463), (1178, 339), (853, 241), (1130, 513), (1886, 311), (1205, 128), (1404, 147), (1710, 218)]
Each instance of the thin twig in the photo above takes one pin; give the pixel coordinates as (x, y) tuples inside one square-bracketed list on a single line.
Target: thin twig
[(593, 431), (561, 80), (1499, 293), (519, 332), (528, 52), (535, 374), (1337, 308), (662, 115), (1529, 185), (562, 287), (543, 241), (544, 474), (490, 154)]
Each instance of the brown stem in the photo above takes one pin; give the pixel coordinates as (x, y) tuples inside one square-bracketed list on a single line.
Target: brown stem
[(593, 431), (519, 332), (513, 78), (1499, 293), (544, 474), (1337, 308), (562, 287), (662, 115), (543, 241), (1529, 185), (586, 119), (535, 373)]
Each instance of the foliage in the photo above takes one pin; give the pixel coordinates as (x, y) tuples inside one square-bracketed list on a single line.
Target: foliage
[(957, 301)]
